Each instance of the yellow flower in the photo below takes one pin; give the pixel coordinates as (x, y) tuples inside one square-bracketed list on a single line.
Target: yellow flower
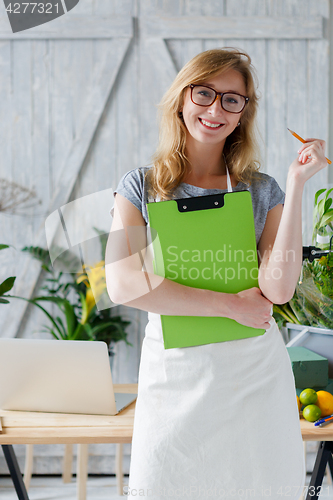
[(88, 306), (94, 279), (82, 278)]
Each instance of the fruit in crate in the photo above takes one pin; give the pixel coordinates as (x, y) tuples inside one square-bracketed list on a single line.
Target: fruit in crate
[(325, 403), (308, 397), (311, 413)]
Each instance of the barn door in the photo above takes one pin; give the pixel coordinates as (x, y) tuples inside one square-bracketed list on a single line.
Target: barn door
[(64, 73)]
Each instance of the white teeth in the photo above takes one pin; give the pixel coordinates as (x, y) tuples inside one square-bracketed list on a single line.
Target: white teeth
[(212, 125)]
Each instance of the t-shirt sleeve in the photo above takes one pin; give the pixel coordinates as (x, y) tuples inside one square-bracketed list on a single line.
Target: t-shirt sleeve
[(131, 187), (266, 194), (277, 196)]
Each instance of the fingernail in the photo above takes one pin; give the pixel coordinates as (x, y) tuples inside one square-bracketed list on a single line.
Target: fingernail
[(299, 151)]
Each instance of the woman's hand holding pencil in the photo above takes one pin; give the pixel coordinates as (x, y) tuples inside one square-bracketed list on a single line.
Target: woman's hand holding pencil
[(304, 141), (311, 158)]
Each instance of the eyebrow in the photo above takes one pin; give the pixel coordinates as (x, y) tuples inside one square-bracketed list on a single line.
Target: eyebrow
[(225, 91)]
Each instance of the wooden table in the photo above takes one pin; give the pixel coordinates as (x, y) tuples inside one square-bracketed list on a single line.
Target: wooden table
[(324, 455), (49, 428), (54, 428)]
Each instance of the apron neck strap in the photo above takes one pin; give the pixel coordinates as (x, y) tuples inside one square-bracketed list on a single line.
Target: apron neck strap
[(228, 176), (228, 180)]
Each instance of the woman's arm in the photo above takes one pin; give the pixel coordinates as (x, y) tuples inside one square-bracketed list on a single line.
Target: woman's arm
[(128, 284), (280, 246)]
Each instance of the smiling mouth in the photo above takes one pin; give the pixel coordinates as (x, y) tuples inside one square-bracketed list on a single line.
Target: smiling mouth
[(210, 125)]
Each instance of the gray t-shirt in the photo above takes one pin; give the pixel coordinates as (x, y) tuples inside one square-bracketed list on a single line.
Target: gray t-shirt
[(264, 189)]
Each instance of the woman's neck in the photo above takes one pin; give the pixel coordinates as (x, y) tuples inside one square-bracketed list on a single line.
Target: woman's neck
[(207, 165)]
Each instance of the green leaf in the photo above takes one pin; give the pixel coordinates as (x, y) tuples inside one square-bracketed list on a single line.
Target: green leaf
[(329, 191), (328, 203), (87, 328), (2, 247), (50, 330), (34, 301), (66, 307), (40, 254), (7, 285), (285, 311), (102, 327), (76, 334), (71, 319), (318, 193), (327, 218), (321, 208), (4, 301), (61, 326)]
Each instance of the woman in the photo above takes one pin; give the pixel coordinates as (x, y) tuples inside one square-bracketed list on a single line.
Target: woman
[(217, 420)]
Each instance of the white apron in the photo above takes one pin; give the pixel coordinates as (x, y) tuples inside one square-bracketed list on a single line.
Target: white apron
[(216, 421)]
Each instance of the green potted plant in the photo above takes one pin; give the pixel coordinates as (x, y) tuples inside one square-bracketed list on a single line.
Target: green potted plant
[(7, 284), (76, 296), (312, 303), (322, 218)]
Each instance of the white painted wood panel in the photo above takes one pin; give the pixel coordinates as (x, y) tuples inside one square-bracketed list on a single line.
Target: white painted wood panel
[(187, 27), (72, 160), (71, 26), (317, 120), (257, 51), (276, 105)]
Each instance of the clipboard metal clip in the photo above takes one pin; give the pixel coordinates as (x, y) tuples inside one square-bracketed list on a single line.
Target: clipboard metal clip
[(200, 203)]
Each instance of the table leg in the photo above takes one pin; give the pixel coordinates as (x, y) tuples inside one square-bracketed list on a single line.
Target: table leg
[(119, 468), (15, 472), (324, 456), (82, 471), (330, 465), (29, 458), (67, 464)]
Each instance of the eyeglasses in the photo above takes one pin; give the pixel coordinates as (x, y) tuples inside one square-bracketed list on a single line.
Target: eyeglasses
[(206, 96)]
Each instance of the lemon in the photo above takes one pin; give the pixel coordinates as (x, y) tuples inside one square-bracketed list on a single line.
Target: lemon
[(311, 413), (325, 403), (308, 397), (298, 403)]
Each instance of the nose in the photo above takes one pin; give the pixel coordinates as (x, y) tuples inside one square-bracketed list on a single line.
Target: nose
[(216, 107)]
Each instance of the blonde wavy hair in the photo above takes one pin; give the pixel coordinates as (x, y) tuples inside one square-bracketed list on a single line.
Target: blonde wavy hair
[(241, 150)]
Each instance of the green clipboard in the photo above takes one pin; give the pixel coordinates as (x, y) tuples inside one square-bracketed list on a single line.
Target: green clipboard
[(205, 242)]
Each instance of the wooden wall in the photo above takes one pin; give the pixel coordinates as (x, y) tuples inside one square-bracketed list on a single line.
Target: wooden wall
[(78, 108)]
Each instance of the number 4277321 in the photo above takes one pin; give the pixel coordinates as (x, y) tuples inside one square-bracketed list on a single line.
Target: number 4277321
[(32, 7)]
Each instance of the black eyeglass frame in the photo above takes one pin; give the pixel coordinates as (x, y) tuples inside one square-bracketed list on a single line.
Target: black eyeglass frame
[(216, 96)]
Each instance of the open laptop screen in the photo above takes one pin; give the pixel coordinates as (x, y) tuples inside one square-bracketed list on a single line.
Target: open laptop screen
[(56, 376)]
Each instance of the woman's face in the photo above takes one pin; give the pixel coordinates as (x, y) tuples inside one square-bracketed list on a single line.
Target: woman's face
[(199, 119)]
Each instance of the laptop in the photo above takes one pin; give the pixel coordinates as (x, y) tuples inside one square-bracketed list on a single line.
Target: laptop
[(58, 376)]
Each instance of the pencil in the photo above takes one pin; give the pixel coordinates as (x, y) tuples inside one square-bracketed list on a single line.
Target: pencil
[(323, 419), (328, 421), (302, 140)]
